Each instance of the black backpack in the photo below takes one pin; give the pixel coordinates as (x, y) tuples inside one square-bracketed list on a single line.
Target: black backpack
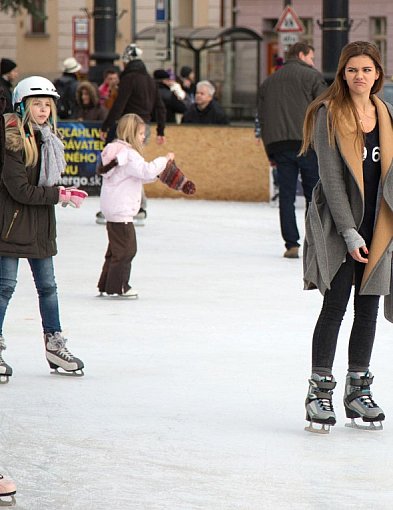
[(66, 103)]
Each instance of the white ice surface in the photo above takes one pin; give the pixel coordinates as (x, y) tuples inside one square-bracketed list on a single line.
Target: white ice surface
[(193, 396)]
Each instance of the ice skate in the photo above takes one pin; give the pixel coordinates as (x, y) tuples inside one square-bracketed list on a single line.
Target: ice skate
[(358, 402), (7, 492), (5, 370), (100, 218), (60, 358), (129, 294), (140, 218), (319, 406)]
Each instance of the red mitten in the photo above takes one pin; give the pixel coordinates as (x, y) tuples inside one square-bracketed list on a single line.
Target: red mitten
[(174, 178)]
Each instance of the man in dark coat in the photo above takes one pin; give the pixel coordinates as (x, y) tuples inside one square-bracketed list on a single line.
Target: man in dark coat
[(283, 99), (137, 93), (9, 74), (206, 109)]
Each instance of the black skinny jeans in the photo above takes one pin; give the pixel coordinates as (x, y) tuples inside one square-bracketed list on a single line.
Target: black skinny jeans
[(328, 325)]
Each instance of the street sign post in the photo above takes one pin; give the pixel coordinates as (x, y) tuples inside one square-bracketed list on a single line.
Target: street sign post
[(163, 30), (289, 27)]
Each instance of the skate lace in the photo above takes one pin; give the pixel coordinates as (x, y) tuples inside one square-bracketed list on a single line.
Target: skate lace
[(2, 348), (57, 343), (368, 400), (325, 403)]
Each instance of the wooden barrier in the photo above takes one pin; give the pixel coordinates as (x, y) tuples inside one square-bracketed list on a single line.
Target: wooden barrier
[(224, 162)]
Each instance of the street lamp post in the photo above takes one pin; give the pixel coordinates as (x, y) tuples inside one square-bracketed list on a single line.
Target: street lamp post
[(335, 26), (105, 20)]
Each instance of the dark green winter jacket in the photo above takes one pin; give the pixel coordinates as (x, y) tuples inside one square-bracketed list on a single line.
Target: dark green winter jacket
[(27, 216)]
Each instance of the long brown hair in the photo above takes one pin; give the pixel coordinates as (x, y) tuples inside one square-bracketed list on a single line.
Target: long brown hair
[(337, 96)]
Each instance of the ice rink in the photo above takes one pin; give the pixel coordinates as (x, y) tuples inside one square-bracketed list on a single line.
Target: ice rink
[(193, 395)]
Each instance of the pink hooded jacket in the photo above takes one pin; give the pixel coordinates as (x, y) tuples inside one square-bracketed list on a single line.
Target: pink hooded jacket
[(122, 186)]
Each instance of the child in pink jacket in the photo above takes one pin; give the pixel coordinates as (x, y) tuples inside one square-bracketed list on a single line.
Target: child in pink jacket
[(123, 173)]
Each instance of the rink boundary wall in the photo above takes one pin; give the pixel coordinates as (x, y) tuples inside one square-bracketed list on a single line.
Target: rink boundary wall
[(225, 162)]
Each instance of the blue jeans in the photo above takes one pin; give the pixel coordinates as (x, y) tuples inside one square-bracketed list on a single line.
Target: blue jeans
[(289, 164), (44, 278)]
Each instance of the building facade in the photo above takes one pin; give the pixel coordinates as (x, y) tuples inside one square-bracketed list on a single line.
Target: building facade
[(39, 47)]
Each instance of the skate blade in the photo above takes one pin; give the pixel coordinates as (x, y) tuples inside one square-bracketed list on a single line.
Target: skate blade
[(325, 428), (65, 373), (371, 425), (9, 502), (114, 297), (4, 379)]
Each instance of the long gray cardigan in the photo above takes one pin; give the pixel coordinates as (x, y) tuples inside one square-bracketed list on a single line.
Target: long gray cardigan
[(338, 204)]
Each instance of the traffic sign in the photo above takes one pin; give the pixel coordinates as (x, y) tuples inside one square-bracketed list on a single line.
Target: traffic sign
[(289, 21), (289, 38)]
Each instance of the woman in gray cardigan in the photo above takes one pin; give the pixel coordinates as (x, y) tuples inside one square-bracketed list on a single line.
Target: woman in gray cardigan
[(349, 230)]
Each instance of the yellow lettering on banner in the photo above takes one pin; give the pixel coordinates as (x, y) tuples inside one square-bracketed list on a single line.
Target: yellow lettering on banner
[(80, 157), (83, 145), (79, 132), (71, 169)]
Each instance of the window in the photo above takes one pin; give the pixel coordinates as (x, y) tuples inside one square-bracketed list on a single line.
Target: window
[(307, 35), (38, 24), (378, 35)]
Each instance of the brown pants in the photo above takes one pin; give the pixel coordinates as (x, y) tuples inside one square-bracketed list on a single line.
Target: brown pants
[(121, 250)]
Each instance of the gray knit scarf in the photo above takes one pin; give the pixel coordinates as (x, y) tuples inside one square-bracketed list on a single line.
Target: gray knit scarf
[(52, 157)]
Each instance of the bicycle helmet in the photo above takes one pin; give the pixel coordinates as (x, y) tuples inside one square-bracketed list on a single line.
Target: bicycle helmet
[(32, 87)]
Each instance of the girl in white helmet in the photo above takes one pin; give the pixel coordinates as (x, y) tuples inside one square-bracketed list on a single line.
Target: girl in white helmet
[(33, 164)]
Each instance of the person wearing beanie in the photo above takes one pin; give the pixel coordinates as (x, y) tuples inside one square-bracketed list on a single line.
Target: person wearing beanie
[(67, 86), (137, 93), (172, 95), (9, 74), (187, 82), (131, 52)]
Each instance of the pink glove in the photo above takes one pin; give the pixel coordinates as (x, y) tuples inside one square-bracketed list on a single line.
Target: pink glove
[(64, 196), (77, 197)]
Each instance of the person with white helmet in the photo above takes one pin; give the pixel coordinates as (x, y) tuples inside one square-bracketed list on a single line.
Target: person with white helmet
[(29, 189), (7, 486)]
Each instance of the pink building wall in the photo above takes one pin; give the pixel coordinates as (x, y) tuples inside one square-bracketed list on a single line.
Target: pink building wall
[(251, 14)]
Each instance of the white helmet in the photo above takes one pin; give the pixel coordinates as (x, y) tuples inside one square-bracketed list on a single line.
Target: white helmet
[(32, 86)]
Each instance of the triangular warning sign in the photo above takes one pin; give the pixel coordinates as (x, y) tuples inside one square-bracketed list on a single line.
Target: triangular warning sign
[(289, 21)]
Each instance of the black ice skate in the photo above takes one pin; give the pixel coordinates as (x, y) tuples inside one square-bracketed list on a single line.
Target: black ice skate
[(319, 406), (5, 370), (59, 357), (358, 402)]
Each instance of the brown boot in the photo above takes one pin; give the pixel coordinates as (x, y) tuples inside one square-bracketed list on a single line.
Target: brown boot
[(292, 253)]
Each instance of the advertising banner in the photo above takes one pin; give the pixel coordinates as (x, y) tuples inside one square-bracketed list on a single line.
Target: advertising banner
[(83, 146)]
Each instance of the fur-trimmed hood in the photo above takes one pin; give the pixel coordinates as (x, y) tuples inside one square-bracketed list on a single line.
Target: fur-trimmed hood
[(13, 138), (91, 90)]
